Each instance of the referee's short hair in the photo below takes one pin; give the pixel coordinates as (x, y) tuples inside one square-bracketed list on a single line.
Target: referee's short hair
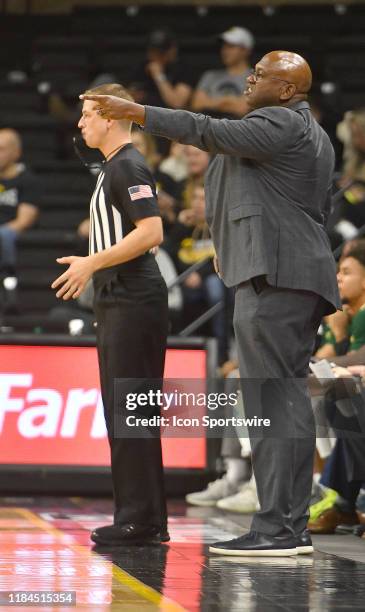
[(110, 89)]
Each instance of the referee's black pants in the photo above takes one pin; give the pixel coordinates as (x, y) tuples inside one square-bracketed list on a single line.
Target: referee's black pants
[(132, 324)]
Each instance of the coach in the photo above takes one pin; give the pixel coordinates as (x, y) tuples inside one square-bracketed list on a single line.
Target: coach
[(268, 192)]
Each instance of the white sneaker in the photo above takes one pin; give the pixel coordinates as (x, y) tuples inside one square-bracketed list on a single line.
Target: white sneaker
[(213, 493), (245, 501)]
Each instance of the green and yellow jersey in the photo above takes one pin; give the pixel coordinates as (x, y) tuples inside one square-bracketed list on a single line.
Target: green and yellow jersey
[(356, 332)]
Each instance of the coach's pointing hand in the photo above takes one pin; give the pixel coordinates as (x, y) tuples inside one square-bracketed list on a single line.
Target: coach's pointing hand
[(112, 107), (72, 282)]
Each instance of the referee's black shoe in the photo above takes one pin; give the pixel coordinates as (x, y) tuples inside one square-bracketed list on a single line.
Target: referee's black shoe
[(255, 544), (130, 534)]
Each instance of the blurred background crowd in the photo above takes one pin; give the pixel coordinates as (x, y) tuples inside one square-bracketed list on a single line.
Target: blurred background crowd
[(195, 58)]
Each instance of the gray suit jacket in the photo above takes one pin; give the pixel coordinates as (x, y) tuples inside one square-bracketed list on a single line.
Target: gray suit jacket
[(268, 190)]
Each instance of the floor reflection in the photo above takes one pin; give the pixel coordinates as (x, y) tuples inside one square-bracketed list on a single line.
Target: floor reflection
[(45, 546)]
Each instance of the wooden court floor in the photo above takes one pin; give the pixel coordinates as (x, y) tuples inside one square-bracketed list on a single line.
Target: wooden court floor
[(45, 549)]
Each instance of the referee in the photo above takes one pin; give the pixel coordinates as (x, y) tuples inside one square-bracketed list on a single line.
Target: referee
[(132, 315)]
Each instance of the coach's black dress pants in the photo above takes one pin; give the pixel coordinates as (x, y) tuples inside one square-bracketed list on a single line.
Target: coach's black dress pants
[(132, 322)]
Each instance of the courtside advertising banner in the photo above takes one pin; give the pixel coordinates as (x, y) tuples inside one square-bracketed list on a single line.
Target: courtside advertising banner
[(51, 412)]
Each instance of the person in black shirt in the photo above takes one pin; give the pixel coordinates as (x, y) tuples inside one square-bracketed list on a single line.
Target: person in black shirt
[(162, 80), (19, 195), (131, 309)]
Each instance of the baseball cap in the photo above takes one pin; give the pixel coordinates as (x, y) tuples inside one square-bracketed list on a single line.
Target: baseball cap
[(238, 36), (161, 39)]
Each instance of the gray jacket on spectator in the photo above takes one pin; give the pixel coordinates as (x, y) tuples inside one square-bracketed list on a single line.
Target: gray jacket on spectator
[(268, 193)]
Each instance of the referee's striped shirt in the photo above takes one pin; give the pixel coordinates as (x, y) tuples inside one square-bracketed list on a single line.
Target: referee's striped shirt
[(125, 192)]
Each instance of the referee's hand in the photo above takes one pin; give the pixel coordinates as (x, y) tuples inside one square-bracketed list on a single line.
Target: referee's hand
[(72, 282), (112, 107)]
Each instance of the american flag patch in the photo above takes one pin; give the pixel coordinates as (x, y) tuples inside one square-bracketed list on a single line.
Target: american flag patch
[(140, 191)]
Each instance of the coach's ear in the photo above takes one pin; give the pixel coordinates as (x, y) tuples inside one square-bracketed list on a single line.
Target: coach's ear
[(288, 91)]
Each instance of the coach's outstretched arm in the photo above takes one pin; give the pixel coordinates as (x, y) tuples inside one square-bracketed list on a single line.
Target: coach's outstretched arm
[(262, 133)]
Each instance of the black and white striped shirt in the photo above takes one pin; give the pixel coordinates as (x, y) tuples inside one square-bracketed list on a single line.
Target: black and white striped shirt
[(125, 192)]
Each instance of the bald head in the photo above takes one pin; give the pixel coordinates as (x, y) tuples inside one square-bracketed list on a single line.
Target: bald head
[(10, 138), (10, 148), (281, 78), (290, 67)]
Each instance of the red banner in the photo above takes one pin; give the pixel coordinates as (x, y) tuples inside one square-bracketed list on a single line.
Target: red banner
[(51, 410)]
